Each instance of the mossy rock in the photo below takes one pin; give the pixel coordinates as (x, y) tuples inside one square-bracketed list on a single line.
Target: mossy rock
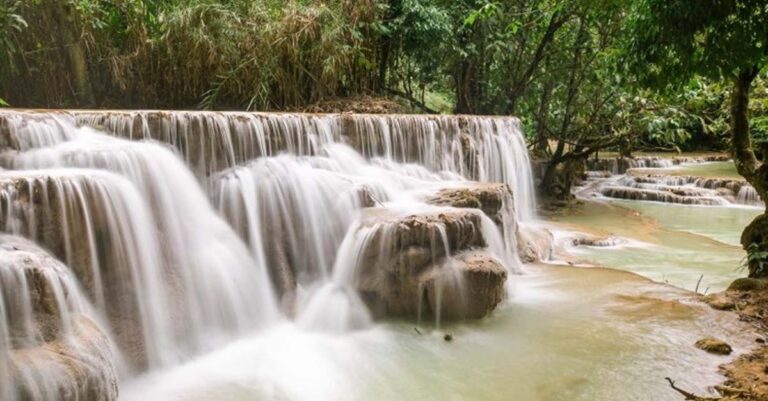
[(756, 233), (748, 284), (714, 346), (720, 302)]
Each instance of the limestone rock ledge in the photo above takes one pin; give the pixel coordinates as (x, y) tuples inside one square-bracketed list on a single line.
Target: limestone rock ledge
[(50, 347), (492, 199), (430, 264)]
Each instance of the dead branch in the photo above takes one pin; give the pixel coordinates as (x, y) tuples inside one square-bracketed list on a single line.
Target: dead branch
[(688, 395)]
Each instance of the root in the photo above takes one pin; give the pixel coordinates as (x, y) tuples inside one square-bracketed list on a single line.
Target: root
[(688, 395)]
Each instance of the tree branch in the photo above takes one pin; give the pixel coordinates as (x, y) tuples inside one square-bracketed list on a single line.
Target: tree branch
[(689, 396)]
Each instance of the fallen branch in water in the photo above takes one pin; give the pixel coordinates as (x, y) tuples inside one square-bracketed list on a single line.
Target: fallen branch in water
[(689, 396)]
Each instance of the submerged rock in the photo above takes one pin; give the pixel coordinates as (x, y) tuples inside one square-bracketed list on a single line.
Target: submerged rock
[(601, 242), (714, 346), (534, 243)]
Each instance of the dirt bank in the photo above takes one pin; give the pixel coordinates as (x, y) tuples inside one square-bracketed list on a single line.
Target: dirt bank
[(747, 375)]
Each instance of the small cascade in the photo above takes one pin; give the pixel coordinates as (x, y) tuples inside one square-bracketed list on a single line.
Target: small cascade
[(485, 149), (336, 306), (292, 214), (747, 195), (50, 346), (434, 262), (97, 223), (209, 279), (690, 190), (620, 165)]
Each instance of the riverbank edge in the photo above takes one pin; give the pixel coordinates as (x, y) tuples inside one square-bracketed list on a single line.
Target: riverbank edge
[(747, 375)]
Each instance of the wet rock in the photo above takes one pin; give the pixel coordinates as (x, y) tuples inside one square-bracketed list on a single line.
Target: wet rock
[(720, 301), (78, 369), (598, 241), (534, 243), (491, 199), (747, 284), (429, 265), (472, 290), (54, 347), (714, 346), (669, 195), (756, 232)]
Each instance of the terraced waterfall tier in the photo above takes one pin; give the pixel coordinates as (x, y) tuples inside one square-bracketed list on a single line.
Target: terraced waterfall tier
[(187, 230), (488, 149), (665, 180)]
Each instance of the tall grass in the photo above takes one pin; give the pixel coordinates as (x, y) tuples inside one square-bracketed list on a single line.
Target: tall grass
[(262, 54)]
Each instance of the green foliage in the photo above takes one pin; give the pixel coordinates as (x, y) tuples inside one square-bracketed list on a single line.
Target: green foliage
[(556, 63), (673, 41), (11, 23), (756, 258), (235, 53)]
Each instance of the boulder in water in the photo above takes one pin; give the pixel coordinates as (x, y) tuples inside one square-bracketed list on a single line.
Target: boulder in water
[(430, 264), (471, 291), (491, 199), (714, 346), (534, 243)]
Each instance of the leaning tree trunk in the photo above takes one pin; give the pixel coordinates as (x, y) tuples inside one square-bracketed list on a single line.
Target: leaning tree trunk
[(755, 235)]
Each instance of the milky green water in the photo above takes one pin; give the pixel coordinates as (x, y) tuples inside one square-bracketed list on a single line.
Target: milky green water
[(567, 333), (668, 243), (714, 169), (709, 169), (677, 244)]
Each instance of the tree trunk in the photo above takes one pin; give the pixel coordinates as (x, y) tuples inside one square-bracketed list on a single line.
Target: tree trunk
[(755, 235), (548, 185), (75, 54), (465, 85)]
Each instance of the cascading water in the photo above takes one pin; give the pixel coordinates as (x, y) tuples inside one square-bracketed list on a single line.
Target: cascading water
[(100, 226), (210, 284), (292, 215), (488, 149), (50, 347), (343, 214)]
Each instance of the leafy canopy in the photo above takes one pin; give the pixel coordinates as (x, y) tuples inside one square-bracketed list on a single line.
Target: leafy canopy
[(674, 40)]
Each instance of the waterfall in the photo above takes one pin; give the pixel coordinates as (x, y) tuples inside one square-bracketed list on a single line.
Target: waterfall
[(188, 229), (198, 280), (292, 215), (49, 344), (689, 190), (98, 224), (489, 149)]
